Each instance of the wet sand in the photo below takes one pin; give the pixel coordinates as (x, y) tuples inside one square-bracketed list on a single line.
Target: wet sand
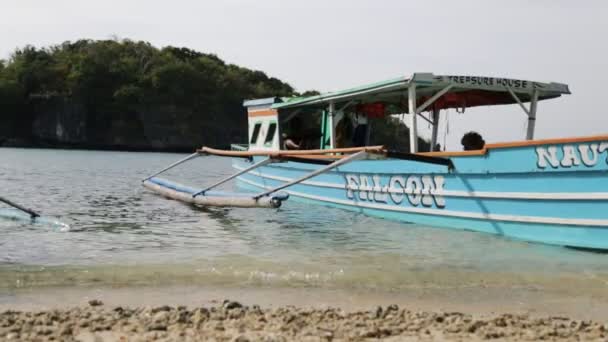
[(276, 314), (476, 301)]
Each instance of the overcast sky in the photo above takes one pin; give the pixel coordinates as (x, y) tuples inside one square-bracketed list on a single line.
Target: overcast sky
[(330, 45)]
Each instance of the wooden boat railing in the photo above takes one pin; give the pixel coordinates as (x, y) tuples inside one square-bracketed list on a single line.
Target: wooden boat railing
[(336, 153), (276, 154)]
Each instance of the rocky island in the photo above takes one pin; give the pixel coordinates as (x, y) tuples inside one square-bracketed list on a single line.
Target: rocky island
[(125, 95), (128, 95)]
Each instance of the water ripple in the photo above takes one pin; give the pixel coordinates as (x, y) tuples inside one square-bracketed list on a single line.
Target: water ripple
[(121, 233)]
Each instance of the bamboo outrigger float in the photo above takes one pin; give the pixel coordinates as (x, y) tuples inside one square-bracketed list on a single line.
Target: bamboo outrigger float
[(552, 191)]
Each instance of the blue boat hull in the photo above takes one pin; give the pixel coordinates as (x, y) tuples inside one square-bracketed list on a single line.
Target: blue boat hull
[(549, 193)]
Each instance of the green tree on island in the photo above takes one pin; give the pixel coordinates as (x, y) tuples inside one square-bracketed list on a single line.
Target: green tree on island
[(128, 94), (113, 81)]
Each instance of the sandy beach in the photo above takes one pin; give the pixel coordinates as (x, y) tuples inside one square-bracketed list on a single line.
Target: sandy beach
[(233, 321), (195, 313)]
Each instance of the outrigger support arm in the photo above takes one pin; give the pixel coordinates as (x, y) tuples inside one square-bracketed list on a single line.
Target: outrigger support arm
[(256, 165), (192, 156), (32, 213), (355, 156)]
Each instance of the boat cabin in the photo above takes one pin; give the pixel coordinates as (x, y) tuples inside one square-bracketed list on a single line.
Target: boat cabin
[(344, 118)]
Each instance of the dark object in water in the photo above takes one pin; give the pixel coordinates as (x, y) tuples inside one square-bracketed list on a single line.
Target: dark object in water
[(32, 213)]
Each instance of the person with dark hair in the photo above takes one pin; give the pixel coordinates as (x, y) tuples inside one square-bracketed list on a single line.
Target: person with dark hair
[(472, 141)]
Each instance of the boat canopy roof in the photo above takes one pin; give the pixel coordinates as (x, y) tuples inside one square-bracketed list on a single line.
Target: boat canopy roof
[(439, 91), (413, 95)]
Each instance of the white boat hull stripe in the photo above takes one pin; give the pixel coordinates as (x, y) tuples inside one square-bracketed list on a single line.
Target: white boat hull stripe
[(449, 213), (458, 193)]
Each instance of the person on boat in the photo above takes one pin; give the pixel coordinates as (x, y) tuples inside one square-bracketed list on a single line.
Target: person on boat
[(360, 132), (344, 131), (289, 143), (472, 141)]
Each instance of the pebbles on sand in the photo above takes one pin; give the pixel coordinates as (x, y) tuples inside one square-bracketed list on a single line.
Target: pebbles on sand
[(232, 321)]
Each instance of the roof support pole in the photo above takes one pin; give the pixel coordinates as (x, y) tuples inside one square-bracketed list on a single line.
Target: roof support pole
[(292, 115), (425, 119), (435, 127), (411, 100), (530, 112), (331, 124), (434, 98), (516, 98), (346, 106), (532, 116), (323, 143)]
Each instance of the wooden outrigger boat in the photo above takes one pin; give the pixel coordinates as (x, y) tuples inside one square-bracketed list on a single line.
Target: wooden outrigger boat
[(550, 191)]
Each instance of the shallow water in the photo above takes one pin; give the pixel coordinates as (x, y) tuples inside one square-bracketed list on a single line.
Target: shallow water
[(121, 234)]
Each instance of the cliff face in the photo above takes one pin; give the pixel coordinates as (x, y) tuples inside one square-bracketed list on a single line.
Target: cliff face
[(59, 122), (127, 95)]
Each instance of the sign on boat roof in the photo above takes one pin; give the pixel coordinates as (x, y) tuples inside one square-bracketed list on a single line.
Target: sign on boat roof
[(456, 92)]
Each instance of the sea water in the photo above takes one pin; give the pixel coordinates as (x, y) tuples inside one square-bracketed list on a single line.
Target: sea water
[(124, 235)]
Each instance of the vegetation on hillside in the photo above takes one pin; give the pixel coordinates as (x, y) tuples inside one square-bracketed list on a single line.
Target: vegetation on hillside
[(124, 93), (124, 74)]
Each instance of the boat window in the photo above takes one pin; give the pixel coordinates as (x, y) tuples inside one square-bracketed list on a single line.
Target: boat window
[(256, 132), (271, 130)]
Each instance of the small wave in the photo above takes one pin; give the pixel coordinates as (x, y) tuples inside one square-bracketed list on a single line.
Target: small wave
[(20, 216)]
